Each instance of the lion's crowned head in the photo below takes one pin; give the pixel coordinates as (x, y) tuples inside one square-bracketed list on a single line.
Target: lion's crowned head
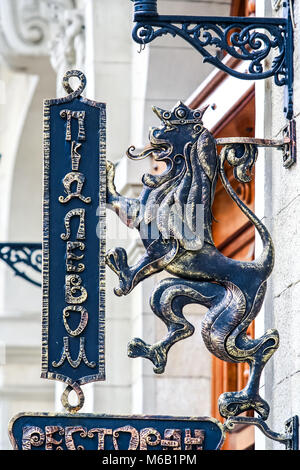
[(184, 192)]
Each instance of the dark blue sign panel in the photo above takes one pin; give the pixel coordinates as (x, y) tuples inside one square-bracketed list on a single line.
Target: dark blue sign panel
[(45, 431), (74, 239)]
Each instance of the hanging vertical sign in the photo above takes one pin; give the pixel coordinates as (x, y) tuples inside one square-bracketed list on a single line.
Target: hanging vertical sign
[(73, 248)]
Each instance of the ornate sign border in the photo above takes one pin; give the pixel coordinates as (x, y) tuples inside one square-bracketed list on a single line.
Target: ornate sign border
[(45, 245), (82, 418)]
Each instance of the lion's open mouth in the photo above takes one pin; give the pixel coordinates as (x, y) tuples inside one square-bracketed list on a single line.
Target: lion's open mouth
[(149, 150), (159, 149)]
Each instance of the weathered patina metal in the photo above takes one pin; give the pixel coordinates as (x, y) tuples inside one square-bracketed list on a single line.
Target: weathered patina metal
[(56, 431), (289, 438), (73, 251), (249, 39), (232, 290), (287, 144)]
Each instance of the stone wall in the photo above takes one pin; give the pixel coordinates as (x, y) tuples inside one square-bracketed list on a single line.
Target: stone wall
[(278, 193)]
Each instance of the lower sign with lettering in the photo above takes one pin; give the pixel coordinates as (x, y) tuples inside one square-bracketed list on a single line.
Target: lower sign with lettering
[(45, 431)]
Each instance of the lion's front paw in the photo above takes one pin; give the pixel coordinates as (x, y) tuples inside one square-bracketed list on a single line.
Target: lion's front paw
[(117, 260), (155, 353), (137, 348), (110, 184), (125, 278), (110, 170), (118, 291)]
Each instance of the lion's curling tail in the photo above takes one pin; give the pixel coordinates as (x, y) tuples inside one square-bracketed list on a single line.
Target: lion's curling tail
[(242, 157), (224, 328), (224, 331)]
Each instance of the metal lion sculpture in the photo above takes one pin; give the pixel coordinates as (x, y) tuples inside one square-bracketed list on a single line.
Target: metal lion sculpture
[(232, 290)]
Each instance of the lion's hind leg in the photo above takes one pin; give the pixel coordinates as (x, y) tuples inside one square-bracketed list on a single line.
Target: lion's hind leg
[(167, 302)]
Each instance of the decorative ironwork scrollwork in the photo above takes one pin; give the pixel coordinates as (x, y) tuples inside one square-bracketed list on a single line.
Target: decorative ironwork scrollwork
[(25, 259), (247, 39), (248, 42), (289, 438)]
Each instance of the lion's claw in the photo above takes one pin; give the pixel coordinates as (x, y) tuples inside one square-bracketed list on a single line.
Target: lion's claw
[(138, 348), (117, 260), (118, 291)]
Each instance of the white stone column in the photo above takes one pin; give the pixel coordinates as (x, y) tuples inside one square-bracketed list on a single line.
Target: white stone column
[(108, 32), (277, 195), (286, 275), (263, 185)]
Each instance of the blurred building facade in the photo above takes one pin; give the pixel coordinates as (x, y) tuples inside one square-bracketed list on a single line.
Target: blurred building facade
[(40, 41)]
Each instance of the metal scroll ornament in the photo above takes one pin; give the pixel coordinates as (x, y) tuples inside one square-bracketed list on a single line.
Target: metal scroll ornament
[(265, 45), (73, 250), (25, 259), (232, 290)]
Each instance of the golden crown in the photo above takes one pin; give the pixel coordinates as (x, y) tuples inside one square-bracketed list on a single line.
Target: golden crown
[(180, 114)]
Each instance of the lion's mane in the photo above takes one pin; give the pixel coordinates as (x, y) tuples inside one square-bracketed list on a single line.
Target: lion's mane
[(184, 192)]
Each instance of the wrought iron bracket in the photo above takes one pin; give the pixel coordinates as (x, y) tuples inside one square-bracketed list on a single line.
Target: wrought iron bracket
[(25, 259), (290, 147), (249, 39), (287, 144), (290, 437)]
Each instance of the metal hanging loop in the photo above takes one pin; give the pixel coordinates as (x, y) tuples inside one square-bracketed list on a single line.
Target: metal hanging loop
[(65, 398), (65, 82)]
